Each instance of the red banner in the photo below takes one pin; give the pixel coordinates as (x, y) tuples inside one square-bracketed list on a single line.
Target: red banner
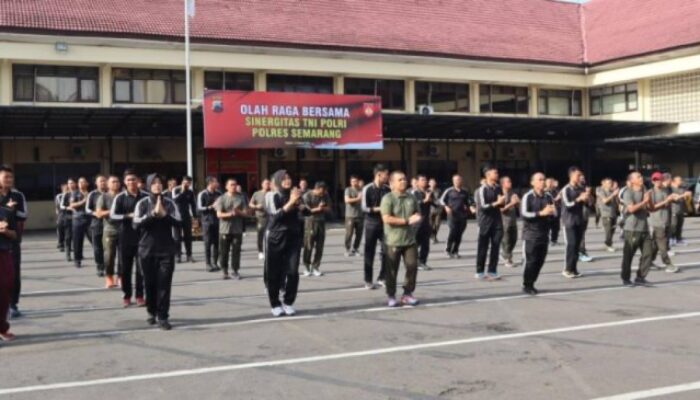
[(256, 120)]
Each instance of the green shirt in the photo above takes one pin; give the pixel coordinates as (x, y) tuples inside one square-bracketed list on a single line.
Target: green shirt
[(104, 203), (635, 222), (400, 206), (259, 200), (226, 203), (660, 218), (313, 201), (353, 210)]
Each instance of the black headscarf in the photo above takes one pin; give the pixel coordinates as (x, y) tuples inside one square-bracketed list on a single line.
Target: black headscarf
[(277, 179)]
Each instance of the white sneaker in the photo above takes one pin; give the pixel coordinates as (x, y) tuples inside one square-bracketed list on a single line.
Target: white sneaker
[(261, 256), (568, 274), (307, 272), (610, 249), (316, 272), (480, 276), (288, 310), (277, 312), (671, 253), (381, 282)]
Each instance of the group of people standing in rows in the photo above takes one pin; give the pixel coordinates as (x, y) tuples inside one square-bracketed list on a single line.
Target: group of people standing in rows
[(139, 228)]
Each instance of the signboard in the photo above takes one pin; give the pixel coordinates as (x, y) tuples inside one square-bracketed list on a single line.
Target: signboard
[(265, 120)]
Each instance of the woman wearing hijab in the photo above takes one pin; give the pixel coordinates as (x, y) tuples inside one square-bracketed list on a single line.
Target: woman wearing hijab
[(283, 238), (155, 216)]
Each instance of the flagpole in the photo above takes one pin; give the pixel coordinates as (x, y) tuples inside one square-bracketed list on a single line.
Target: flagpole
[(188, 90)]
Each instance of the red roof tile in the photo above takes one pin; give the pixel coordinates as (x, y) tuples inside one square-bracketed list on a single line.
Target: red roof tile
[(543, 31)]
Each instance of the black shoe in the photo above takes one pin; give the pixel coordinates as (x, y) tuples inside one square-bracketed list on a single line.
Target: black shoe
[(190, 259), (61, 249), (164, 325), (14, 312), (627, 283), (210, 268), (641, 281), (216, 267), (101, 274), (226, 276), (69, 258), (179, 259), (151, 320), (530, 290), (78, 264)]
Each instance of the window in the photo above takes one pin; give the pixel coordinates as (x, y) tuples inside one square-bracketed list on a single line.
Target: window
[(220, 80), (391, 91), (503, 99), (443, 96), (299, 83), (149, 86), (49, 83), (613, 99), (559, 102)]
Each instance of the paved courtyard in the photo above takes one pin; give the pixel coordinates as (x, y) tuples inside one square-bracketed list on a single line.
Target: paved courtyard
[(579, 339)]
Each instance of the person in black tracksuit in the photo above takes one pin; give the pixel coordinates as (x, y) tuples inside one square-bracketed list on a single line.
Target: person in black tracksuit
[(68, 219), (81, 220), (122, 210), (283, 238), (573, 198), (210, 223), (552, 189), (184, 198), (457, 202), (489, 201), (96, 225), (372, 195), (424, 232), (60, 218), (537, 209), (156, 216), (13, 201)]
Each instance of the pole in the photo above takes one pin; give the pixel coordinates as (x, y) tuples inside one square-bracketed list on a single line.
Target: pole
[(188, 90)]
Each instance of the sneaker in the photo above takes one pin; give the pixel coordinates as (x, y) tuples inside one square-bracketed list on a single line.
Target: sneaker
[(317, 272), (179, 261), (493, 276), (627, 283), (226, 277), (480, 276), (190, 259), (509, 264), (568, 274), (119, 281), (577, 274), (530, 290), (381, 282), (409, 300), (277, 312), (151, 320), (356, 253), (236, 276), (641, 281), (656, 266), (681, 242), (424, 267), (671, 269), (585, 258), (78, 264), (672, 242), (391, 302), (164, 325), (7, 337), (502, 259), (100, 274), (140, 302), (288, 310), (14, 312), (370, 286), (448, 254), (109, 282), (456, 255), (261, 256), (348, 254), (216, 267), (554, 243), (211, 268), (126, 303), (610, 249), (671, 253), (307, 272)]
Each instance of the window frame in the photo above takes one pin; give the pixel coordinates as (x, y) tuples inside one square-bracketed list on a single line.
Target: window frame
[(571, 98), (223, 74), (600, 92), (76, 74), (517, 99), (455, 93), (170, 85), (376, 83), (298, 84)]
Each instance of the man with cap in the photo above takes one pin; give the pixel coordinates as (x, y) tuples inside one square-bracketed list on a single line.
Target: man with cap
[(232, 211), (184, 198), (318, 203), (489, 201), (660, 219), (637, 203), (282, 243), (257, 203), (155, 216), (457, 202), (210, 224), (537, 208)]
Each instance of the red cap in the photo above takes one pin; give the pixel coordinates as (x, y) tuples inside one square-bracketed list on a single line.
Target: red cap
[(657, 176)]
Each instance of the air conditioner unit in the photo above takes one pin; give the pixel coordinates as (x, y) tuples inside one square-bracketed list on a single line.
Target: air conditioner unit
[(424, 109), (279, 153), (432, 151), (325, 153)]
